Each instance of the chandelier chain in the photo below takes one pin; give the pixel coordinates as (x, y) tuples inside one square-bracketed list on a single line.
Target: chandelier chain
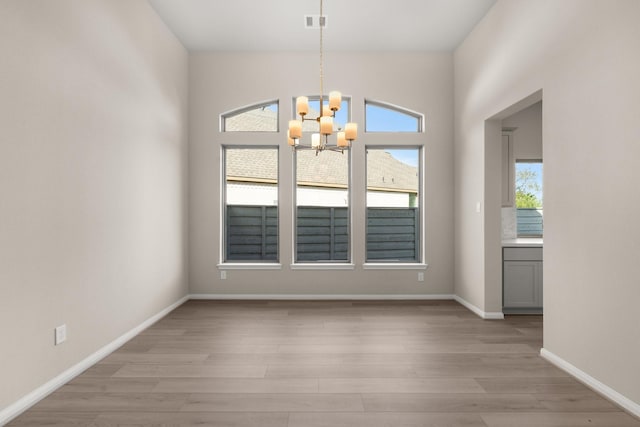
[(326, 126), (321, 61)]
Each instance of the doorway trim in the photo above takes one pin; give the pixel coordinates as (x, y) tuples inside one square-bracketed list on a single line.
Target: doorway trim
[(493, 201)]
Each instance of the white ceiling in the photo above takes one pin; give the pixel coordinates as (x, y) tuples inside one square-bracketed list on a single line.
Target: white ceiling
[(352, 25)]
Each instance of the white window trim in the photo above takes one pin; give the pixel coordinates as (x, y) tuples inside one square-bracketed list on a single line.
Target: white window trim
[(393, 107), (225, 115), (392, 266), (387, 265), (223, 225), (249, 266), (306, 265), (323, 266)]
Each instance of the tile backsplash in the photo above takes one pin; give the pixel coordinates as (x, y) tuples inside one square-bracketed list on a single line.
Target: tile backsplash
[(509, 223)]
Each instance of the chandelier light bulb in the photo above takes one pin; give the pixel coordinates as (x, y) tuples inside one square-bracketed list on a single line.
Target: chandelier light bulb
[(326, 125), (295, 129), (351, 131), (335, 99), (315, 140), (342, 140), (302, 105)]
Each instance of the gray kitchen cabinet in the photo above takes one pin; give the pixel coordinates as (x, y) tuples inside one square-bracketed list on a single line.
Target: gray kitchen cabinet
[(522, 280)]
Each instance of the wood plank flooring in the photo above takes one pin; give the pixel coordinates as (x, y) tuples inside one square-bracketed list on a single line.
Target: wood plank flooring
[(328, 364)]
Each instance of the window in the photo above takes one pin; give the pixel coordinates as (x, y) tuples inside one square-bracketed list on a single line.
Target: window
[(529, 198), (254, 118), (393, 204), (250, 204), (322, 196), (322, 206), (382, 117)]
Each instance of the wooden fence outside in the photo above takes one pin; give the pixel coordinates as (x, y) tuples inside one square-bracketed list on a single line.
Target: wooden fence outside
[(393, 234), (530, 222), (251, 233)]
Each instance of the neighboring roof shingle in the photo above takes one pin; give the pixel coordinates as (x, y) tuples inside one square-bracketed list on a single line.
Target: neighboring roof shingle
[(387, 172), (257, 120), (245, 164), (326, 169)]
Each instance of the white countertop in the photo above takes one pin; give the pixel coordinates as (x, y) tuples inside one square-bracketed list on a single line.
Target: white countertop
[(530, 242)]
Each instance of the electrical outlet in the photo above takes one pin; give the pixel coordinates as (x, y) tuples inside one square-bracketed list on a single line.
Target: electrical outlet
[(421, 277), (223, 274), (60, 334)]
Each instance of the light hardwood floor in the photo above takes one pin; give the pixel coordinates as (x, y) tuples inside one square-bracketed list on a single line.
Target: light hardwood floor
[(329, 364)]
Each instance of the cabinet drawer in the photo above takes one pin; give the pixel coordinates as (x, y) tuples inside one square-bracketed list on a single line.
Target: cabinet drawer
[(522, 254)]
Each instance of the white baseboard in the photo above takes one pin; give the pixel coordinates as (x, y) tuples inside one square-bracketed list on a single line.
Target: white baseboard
[(15, 409), (626, 403), (323, 297), (488, 315)]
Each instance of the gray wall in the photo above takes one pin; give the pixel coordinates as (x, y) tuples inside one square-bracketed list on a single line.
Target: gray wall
[(223, 81), (92, 180), (585, 57)]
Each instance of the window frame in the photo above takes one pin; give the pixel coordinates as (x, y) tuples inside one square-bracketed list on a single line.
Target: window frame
[(419, 262), (393, 107), (324, 264), (237, 111), (225, 263), (328, 264)]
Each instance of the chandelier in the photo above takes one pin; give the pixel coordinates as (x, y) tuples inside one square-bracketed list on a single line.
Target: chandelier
[(320, 140)]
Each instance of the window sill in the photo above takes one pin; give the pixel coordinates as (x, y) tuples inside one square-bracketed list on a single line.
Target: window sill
[(249, 266), (394, 266), (322, 266)]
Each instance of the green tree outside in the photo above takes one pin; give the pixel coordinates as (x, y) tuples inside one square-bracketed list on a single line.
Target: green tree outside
[(527, 188)]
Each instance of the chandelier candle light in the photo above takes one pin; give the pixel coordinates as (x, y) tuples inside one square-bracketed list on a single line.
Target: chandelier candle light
[(320, 140)]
